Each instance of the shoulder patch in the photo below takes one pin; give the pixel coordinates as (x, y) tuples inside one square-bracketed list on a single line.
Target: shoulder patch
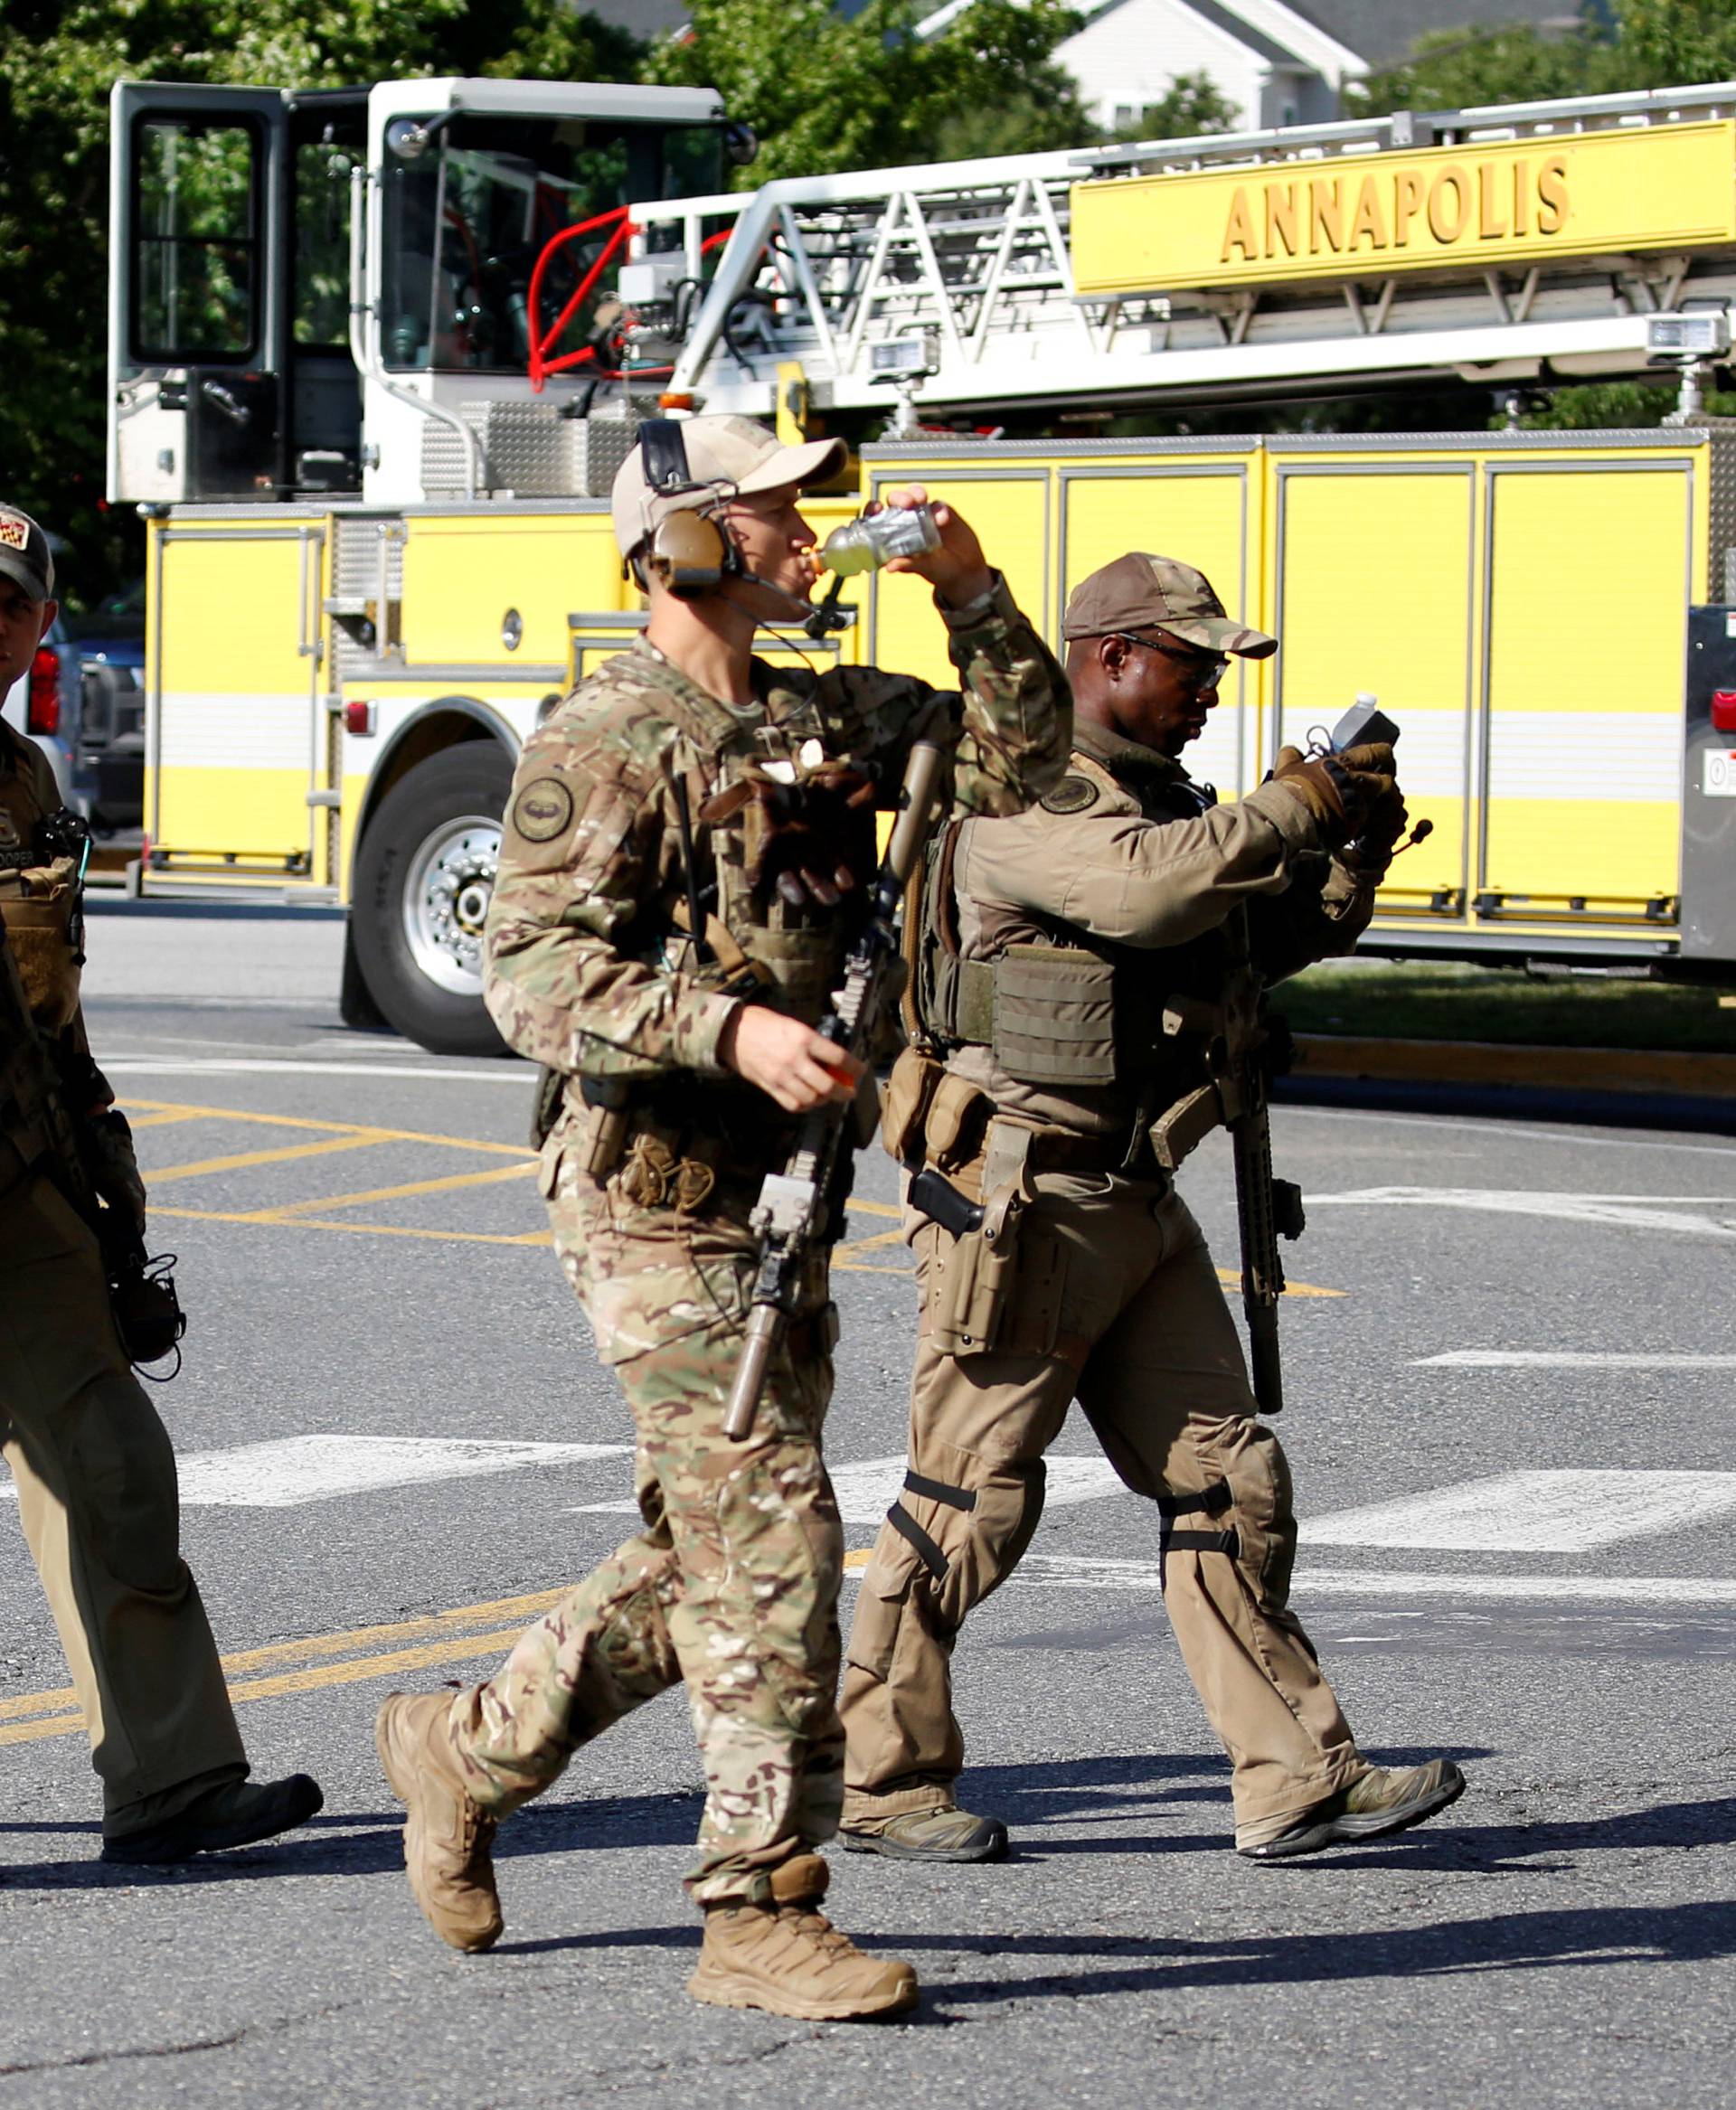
[(1072, 795), (542, 810)]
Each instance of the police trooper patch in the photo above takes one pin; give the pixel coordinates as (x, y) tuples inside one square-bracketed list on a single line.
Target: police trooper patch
[(1072, 795), (542, 810)]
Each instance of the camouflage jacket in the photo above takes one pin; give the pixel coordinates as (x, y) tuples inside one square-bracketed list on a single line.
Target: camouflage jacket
[(588, 965)]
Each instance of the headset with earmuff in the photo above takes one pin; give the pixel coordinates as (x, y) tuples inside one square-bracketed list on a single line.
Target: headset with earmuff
[(690, 551)]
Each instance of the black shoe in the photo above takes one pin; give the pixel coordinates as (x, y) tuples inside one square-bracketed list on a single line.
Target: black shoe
[(239, 1813), (1378, 1803), (931, 1835)]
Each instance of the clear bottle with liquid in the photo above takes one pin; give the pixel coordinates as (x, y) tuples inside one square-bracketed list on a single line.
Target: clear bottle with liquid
[(865, 545)]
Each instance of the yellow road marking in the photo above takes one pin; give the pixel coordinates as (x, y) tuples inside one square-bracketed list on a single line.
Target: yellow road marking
[(451, 1645), (857, 1559), (165, 1120), (332, 1128), (290, 1151), (1231, 1278), (413, 1187), (265, 1220), (874, 1209)]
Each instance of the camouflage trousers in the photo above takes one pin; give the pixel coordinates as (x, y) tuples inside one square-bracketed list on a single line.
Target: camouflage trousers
[(731, 1586)]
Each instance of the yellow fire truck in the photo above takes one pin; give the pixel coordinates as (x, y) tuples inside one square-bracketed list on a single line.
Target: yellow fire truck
[(375, 357)]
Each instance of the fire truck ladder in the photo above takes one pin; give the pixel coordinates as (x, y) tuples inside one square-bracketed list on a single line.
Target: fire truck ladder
[(971, 261)]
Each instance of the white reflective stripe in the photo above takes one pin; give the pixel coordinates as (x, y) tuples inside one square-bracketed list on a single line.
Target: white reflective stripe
[(250, 731), (1431, 751), (1629, 754)]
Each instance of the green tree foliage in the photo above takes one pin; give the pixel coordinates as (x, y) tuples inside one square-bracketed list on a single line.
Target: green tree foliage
[(57, 61), (824, 94), (1194, 108)]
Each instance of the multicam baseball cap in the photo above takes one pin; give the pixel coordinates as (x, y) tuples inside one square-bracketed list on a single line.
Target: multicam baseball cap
[(734, 454), (1139, 591), (24, 554)]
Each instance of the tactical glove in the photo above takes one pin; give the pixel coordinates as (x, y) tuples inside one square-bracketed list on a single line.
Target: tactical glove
[(114, 1168), (1372, 851), (1338, 790)]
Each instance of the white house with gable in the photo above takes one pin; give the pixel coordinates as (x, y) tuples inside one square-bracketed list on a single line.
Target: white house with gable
[(1272, 64)]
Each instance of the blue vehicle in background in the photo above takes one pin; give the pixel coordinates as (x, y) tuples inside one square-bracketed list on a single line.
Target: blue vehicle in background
[(83, 701), (47, 702), (109, 773)]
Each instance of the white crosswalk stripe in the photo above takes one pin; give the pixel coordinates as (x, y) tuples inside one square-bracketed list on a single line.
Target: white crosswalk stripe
[(1051, 1571), (1633, 1211), (1567, 1358), (1565, 1511), (296, 1469), (867, 1489)]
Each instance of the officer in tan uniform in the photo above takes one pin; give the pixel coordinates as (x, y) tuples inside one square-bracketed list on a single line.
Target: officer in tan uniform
[(1067, 965), (92, 1462), (686, 847)]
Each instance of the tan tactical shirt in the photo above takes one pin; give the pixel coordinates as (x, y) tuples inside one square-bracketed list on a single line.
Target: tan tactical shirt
[(1125, 849), (588, 968)]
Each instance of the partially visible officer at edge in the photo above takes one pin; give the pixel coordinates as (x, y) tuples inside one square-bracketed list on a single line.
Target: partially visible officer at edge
[(95, 1471), (732, 1584), (1051, 947)]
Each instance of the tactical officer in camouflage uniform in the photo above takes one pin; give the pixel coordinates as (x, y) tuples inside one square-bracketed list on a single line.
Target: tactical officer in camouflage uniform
[(1070, 966), (685, 792), (95, 1472)]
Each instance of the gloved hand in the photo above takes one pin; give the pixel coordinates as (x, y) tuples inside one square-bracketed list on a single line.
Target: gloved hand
[(808, 841), (1338, 790), (114, 1168), (1385, 821)]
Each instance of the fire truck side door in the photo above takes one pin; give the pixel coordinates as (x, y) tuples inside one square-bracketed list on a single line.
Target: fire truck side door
[(197, 321)]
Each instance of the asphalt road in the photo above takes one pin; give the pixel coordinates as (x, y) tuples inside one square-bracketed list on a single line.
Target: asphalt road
[(1529, 1564)]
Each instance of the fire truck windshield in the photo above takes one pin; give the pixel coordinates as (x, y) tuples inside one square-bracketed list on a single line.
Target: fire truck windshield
[(464, 227)]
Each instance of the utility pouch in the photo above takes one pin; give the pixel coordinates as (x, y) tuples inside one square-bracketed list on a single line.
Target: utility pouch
[(1055, 1016), (40, 908), (904, 1104), (546, 1107), (958, 1112), (607, 1101)]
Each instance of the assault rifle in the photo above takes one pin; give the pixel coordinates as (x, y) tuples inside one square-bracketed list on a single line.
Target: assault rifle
[(794, 1204), (1254, 1049)]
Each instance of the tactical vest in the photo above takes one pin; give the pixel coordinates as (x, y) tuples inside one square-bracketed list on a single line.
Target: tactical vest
[(40, 893), (799, 953), (1075, 1013)]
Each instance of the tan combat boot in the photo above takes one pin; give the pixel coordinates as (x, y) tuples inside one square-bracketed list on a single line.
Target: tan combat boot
[(1380, 1803), (446, 1838), (789, 1959)]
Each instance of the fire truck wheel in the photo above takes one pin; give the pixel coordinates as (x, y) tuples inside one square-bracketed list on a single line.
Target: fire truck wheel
[(424, 873)]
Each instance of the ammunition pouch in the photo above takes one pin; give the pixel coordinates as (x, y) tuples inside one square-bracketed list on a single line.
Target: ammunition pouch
[(40, 907)]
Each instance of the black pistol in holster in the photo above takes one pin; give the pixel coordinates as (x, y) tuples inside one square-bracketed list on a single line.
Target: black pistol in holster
[(36, 1112), (796, 1203)]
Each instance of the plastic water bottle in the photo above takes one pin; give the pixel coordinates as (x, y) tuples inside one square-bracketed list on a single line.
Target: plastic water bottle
[(865, 545)]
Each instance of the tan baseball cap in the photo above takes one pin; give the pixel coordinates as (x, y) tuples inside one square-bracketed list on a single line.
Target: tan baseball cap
[(1138, 591), (725, 455)]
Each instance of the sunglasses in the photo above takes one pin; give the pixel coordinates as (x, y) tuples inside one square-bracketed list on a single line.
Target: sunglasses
[(1205, 669)]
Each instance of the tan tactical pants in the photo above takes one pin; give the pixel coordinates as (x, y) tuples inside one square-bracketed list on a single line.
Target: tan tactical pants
[(1116, 1302), (732, 1584), (97, 1500)]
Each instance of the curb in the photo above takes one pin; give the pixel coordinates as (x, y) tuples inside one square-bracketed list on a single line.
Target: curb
[(1482, 1063)]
